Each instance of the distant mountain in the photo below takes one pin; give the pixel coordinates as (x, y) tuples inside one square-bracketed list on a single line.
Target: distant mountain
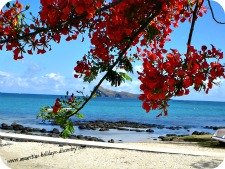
[(102, 92)]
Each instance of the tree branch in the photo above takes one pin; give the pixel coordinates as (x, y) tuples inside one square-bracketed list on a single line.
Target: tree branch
[(143, 26), (213, 16), (194, 18)]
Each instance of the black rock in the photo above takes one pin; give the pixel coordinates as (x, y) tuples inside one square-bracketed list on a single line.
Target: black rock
[(150, 130), (82, 127), (103, 129), (199, 133), (29, 129), (73, 137), (120, 128), (55, 131), (137, 130), (171, 135), (6, 127), (80, 137), (89, 138), (53, 135), (95, 139), (161, 137), (17, 127), (160, 127), (174, 128), (24, 131), (43, 131), (111, 141), (36, 130)]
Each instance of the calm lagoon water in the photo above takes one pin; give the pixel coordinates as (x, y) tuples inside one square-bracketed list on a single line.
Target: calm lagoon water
[(23, 108)]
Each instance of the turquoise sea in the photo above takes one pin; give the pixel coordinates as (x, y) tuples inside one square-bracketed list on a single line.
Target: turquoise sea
[(23, 108)]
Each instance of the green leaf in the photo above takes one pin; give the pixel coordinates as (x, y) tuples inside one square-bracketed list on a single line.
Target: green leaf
[(7, 4), (152, 32), (27, 7), (80, 116), (67, 130), (125, 76)]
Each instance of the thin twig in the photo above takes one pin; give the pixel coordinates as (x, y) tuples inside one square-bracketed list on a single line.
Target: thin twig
[(143, 26), (212, 12)]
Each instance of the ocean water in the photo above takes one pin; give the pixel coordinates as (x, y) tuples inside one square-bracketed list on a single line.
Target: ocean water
[(23, 109)]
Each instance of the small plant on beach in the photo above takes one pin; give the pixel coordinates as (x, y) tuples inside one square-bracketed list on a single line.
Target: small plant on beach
[(121, 32), (62, 109)]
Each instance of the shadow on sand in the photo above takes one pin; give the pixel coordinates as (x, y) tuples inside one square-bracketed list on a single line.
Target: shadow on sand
[(207, 165)]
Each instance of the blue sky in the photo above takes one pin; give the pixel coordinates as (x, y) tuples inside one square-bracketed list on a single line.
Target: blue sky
[(52, 73)]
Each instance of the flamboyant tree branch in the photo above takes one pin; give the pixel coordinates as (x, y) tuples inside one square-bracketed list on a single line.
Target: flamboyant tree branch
[(121, 54), (194, 18), (212, 12)]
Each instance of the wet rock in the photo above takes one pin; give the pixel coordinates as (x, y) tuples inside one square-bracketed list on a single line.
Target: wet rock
[(36, 130), (150, 130), (120, 128), (137, 130), (80, 137), (89, 138), (199, 133), (186, 127), (24, 131), (100, 140), (161, 137), (55, 131), (28, 129), (111, 141), (53, 135), (6, 127), (159, 127), (73, 137), (95, 139), (91, 125), (214, 127), (103, 129), (43, 131), (83, 127), (17, 127), (171, 135), (174, 127)]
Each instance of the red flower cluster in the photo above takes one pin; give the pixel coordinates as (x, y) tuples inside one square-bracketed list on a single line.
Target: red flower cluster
[(55, 11), (57, 106), (9, 27), (164, 78)]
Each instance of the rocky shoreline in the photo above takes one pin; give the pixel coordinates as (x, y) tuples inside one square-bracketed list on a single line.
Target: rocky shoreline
[(18, 128), (100, 125)]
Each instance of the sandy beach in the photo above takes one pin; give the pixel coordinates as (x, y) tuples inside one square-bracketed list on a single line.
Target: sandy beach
[(33, 155)]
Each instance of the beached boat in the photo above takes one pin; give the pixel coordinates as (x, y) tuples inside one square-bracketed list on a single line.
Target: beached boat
[(219, 135)]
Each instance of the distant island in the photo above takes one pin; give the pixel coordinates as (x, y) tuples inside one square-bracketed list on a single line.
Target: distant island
[(102, 92)]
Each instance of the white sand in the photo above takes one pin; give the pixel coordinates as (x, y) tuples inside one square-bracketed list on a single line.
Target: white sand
[(37, 156)]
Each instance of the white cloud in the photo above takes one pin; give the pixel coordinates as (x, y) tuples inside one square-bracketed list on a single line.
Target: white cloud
[(55, 83), (50, 83), (217, 93), (4, 74)]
